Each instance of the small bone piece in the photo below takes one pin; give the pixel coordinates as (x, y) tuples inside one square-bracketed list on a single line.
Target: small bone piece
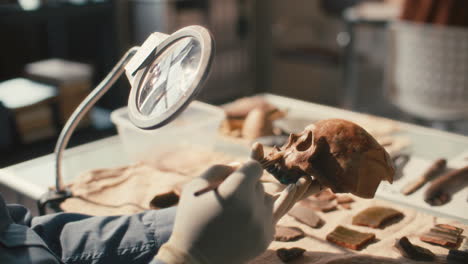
[(306, 216), (376, 216), (408, 250), (436, 168), (443, 235), (286, 233), (349, 238), (339, 154), (287, 255), (257, 124), (240, 108), (436, 193)]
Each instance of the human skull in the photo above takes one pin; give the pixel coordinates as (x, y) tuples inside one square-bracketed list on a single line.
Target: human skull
[(338, 153)]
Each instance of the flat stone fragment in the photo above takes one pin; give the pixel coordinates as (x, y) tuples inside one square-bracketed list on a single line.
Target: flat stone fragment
[(287, 255), (408, 250), (349, 238), (443, 235), (376, 216), (286, 233), (306, 216), (439, 240)]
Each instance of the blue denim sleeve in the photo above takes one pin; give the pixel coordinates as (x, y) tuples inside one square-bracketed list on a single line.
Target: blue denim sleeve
[(78, 238)]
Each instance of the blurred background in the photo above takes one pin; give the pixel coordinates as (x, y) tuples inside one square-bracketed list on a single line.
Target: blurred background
[(405, 60)]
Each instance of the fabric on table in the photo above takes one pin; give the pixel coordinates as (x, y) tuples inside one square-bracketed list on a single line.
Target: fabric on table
[(320, 251), (129, 189), (124, 190)]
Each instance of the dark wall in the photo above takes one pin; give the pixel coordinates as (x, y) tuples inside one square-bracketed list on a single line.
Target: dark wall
[(84, 33)]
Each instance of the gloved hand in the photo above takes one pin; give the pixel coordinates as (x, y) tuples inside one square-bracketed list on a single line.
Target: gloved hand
[(231, 224), (293, 193)]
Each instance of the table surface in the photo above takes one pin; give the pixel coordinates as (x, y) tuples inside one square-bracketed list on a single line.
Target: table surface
[(33, 178)]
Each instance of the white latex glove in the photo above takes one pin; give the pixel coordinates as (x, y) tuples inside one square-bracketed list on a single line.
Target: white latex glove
[(293, 193), (232, 224)]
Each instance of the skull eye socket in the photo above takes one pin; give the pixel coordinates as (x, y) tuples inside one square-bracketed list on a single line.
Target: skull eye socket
[(305, 142)]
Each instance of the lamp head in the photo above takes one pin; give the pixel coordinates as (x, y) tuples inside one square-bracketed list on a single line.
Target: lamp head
[(166, 74)]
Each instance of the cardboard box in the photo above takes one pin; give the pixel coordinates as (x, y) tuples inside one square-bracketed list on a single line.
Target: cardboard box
[(30, 102), (72, 79)]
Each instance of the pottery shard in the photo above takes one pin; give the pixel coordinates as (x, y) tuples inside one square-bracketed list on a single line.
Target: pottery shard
[(376, 216), (287, 255), (449, 229), (408, 250), (349, 238), (286, 234), (306, 216), (443, 235)]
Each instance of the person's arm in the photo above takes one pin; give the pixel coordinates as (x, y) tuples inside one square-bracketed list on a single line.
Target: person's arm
[(112, 239)]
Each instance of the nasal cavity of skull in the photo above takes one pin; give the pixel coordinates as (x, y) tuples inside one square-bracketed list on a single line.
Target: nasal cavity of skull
[(305, 142)]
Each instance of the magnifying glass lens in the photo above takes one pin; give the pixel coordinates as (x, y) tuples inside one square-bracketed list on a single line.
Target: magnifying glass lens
[(168, 77)]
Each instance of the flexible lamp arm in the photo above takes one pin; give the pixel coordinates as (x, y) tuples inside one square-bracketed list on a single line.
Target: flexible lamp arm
[(82, 109)]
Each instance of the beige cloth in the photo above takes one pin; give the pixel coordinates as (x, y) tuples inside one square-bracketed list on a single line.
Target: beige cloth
[(124, 190), (319, 251), (129, 189)]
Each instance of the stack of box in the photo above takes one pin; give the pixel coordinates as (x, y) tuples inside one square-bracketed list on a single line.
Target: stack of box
[(72, 79), (30, 102)]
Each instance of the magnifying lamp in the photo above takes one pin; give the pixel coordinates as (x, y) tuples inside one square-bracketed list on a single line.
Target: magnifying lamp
[(165, 74)]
